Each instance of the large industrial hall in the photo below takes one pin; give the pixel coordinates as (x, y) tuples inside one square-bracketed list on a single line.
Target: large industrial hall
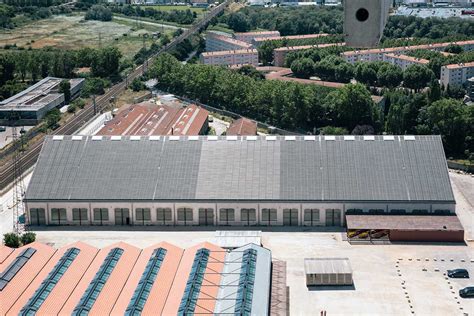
[(121, 279), (236, 180)]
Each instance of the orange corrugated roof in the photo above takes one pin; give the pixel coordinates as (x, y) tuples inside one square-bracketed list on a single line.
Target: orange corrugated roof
[(147, 119), (161, 286), (241, 127), (5, 252), (70, 279), (114, 285), (21, 282), (179, 284)]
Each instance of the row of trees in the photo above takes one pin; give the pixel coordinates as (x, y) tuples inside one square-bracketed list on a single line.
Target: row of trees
[(286, 105), (34, 3), (176, 16), (381, 74), (287, 20), (417, 113), (311, 108), (17, 67), (99, 13), (307, 20), (265, 50)]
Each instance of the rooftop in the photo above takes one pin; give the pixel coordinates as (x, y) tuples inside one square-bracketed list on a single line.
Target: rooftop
[(409, 58), (293, 48), (403, 222), (37, 96), (405, 48), (230, 52), (229, 40), (256, 33), (460, 65), (213, 168), (274, 38), (327, 265), (122, 279), (148, 118), (241, 127)]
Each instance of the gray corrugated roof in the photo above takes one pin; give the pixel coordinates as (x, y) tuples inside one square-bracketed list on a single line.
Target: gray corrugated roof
[(227, 295), (242, 169)]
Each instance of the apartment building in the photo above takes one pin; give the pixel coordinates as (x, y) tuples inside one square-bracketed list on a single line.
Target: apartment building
[(231, 57), (456, 74), (377, 54), (279, 54), (218, 42), (248, 37), (403, 61), (260, 40)]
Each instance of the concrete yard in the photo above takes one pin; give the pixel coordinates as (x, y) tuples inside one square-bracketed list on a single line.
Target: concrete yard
[(388, 279), (378, 287)]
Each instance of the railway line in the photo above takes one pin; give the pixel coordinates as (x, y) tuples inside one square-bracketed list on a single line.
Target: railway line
[(28, 159)]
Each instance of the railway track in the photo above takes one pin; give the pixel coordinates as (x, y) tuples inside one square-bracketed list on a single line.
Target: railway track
[(82, 117)]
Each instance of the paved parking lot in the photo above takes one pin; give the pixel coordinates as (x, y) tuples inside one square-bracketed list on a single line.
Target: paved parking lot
[(427, 288)]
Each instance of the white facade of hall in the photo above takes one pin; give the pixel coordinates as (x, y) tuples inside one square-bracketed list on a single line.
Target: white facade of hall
[(232, 214)]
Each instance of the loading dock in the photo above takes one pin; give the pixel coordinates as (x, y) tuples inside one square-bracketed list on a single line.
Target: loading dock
[(405, 228)]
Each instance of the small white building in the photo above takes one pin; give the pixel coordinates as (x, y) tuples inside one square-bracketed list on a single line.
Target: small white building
[(235, 180)]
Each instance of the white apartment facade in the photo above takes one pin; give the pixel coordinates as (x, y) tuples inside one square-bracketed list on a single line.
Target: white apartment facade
[(231, 57), (456, 74), (403, 61), (248, 37), (217, 42)]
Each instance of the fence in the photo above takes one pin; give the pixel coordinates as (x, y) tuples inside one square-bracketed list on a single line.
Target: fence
[(273, 129)]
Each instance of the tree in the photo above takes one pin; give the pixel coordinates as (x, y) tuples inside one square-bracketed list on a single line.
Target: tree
[(332, 130), (52, 118), (238, 22), (435, 91), (250, 71), (365, 73), (11, 240), (28, 238), (454, 49), (351, 105), (65, 87), (99, 12), (302, 68), (344, 72), (363, 130), (389, 76), (451, 119), (417, 76), (137, 85)]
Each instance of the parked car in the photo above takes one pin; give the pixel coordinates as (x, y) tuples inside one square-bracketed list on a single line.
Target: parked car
[(3, 128), (458, 273), (467, 292)]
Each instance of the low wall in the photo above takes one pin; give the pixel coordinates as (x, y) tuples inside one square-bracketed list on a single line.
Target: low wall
[(460, 166), (430, 236)]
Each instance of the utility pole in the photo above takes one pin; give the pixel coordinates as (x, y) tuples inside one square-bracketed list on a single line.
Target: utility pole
[(18, 210), (94, 104)]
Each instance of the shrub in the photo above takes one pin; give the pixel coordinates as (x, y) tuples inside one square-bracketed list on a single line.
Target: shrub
[(28, 238), (11, 240)]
